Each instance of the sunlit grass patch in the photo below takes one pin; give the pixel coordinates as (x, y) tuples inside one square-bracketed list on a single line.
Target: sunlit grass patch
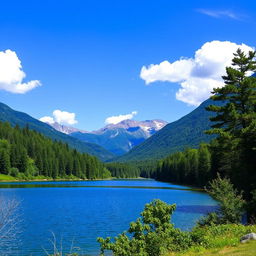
[(4, 177)]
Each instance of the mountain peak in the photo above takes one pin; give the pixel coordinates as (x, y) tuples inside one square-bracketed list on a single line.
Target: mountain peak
[(149, 126), (65, 129)]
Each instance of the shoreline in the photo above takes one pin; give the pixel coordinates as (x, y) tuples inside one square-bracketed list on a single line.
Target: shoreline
[(60, 180)]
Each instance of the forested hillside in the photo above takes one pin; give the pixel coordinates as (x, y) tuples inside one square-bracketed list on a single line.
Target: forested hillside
[(18, 118), (26, 153), (187, 132)]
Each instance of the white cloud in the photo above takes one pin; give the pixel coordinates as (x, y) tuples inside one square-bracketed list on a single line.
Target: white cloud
[(199, 75), (47, 119), (118, 119), (167, 71), (64, 117), (61, 117), (12, 75), (220, 13)]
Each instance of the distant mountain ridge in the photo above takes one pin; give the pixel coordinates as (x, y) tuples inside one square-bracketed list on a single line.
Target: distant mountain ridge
[(22, 119), (117, 138), (188, 131), (64, 128)]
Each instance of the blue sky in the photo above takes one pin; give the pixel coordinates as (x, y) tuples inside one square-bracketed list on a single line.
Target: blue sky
[(88, 55)]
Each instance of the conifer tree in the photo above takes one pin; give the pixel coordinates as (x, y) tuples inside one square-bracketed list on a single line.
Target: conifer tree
[(235, 122)]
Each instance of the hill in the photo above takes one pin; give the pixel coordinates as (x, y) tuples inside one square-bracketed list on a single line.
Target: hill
[(176, 136), (22, 119)]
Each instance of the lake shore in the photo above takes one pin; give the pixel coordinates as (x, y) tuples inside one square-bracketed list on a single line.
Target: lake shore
[(7, 178)]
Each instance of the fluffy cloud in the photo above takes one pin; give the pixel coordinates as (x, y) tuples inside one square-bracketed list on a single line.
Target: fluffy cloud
[(64, 117), (11, 74), (118, 119), (47, 119), (61, 117), (199, 75)]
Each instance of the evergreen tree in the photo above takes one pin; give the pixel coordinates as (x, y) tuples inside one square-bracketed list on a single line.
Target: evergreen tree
[(235, 122), (5, 163), (204, 164)]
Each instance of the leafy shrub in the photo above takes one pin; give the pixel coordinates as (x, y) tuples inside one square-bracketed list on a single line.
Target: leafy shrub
[(150, 235), (14, 172), (231, 203)]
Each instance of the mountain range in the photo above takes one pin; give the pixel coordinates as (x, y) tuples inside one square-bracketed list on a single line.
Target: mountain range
[(22, 119), (117, 138), (122, 137)]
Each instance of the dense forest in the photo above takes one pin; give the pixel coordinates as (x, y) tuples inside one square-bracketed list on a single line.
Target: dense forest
[(123, 170), (193, 166), (232, 153), (25, 153)]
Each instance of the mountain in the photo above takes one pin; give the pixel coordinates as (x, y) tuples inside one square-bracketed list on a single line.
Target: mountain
[(122, 137), (176, 136), (64, 128), (18, 118), (117, 138)]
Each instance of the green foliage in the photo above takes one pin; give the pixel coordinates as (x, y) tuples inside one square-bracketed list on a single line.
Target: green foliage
[(5, 163), (26, 154), (123, 170), (14, 172), (153, 234), (235, 123), (150, 235), (193, 166), (218, 236), (231, 204), (252, 207)]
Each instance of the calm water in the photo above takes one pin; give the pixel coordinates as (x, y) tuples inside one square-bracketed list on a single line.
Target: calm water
[(79, 212)]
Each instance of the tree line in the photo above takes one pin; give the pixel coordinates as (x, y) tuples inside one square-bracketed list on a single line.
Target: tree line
[(25, 153), (193, 166), (123, 170)]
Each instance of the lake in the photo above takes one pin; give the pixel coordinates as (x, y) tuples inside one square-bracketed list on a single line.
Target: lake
[(77, 212)]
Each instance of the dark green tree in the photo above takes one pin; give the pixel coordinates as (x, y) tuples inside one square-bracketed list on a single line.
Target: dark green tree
[(5, 163), (204, 164), (235, 122), (231, 203)]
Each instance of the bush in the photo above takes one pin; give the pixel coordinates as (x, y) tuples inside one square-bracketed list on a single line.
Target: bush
[(14, 172), (251, 207), (150, 235), (231, 203)]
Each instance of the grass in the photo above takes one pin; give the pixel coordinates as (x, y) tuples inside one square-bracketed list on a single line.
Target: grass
[(247, 249), (220, 240), (4, 177)]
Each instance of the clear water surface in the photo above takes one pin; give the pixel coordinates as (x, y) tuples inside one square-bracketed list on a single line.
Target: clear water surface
[(77, 212)]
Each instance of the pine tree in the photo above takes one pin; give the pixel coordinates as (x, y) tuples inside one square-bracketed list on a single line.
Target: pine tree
[(235, 122), (5, 163), (204, 165)]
